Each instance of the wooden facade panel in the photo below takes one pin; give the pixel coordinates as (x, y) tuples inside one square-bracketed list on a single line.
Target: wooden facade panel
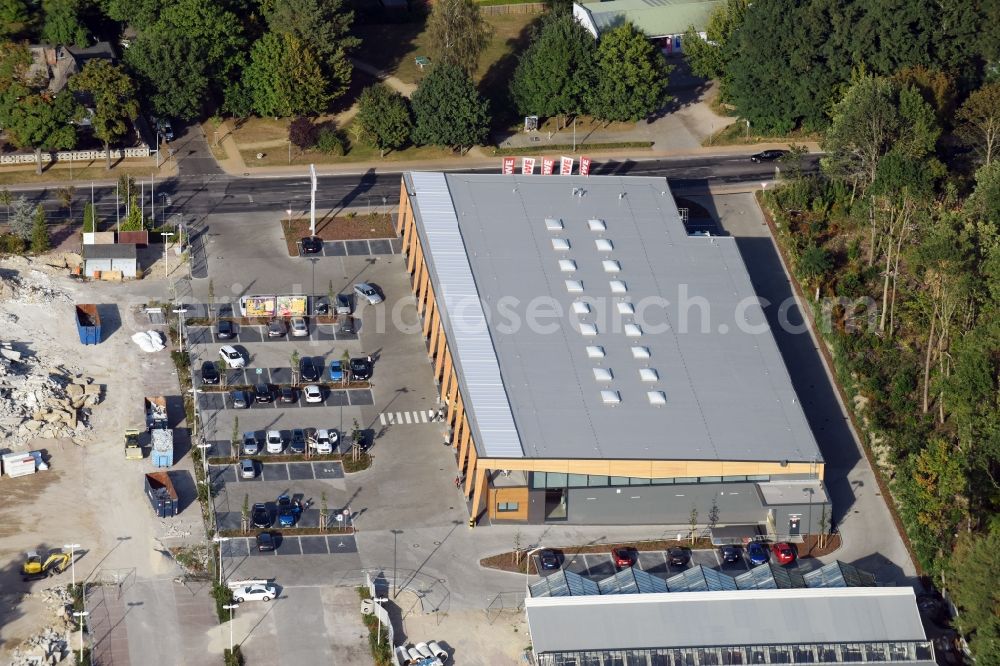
[(508, 496), (654, 469), (479, 493)]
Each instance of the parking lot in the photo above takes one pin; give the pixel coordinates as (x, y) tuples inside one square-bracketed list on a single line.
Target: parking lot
[(359, 248), (203, 335), (287, 544), (217, 400)]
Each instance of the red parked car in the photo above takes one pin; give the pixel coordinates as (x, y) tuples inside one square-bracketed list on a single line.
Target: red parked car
[(783, 553), (623, 557)]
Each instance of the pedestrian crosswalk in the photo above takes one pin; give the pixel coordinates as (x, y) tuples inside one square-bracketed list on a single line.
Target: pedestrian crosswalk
[(415, 416)]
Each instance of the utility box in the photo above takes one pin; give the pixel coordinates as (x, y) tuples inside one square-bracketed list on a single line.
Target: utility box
[(18, 464), (161, 494), (88, 324), (162, 454)]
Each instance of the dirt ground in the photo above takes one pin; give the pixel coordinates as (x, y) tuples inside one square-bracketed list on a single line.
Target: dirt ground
[(478, 638), (91, 495)]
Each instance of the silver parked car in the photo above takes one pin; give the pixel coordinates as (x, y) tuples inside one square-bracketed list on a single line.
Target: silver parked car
[(368, 292)]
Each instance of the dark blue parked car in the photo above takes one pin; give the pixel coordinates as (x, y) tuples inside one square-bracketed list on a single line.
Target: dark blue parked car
[(757, 552)]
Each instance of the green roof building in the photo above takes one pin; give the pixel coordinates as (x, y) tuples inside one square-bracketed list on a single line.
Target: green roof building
[(665, 20)]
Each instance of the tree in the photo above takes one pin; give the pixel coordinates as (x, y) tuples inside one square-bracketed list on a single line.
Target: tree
[(345, 362), (245, 512), (40, 242), (631, 77), (449, 110), (975, 561), (814, 263), (693, 522), (41, 121), (21, 218), (864, 126), (980, 120), (234, 439), (89, 218), (139, 13), (13, 17), (114, 98), (708, 57), (6, 198), (61, 23), (458, 34), (324, 512), (284, 78), (293, 363), (64, 195), (384, 116), (324, 29), (357, 438), (302, 132), (556, 71)]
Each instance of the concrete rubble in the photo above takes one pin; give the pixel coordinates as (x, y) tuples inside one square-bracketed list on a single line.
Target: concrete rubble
[(36, 288), (42, 401), (50, 645)]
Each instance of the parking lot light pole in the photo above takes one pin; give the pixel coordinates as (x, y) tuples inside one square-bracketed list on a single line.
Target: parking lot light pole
[(220, 540), (72, 561), (81, 615), (231, 608), (166, 261), (180, 326), (395, 533)]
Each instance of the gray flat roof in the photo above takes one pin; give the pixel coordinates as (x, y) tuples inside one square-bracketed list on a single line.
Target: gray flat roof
[(109, 251), (535, 390), (744, 617)]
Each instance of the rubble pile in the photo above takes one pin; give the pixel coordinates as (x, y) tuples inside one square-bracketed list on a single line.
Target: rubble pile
[(36, 288), (48, 647), (39, 401)]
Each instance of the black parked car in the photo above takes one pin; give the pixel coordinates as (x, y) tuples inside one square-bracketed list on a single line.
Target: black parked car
[(361, 369), (346, 324), (225, 330), (308, 371), (767, 155), (298, 444), (241, 399), (261, 516), (264, 392), (678, 557), (312, 245), (266, 542), (288, 395), (549, 559), (209, 373), (730, 554)]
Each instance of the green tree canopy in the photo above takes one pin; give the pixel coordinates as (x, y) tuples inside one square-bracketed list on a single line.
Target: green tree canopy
[(188, 57), (13, 17), (458, 34), (385, 118), (114, 98), (40, 242), (975, 562), (449, 110), (708, 57), (555, 73), (40, 121), (61, 23), (284, 78), (21, 218), (140, 14), (980, 120), (631, 77)]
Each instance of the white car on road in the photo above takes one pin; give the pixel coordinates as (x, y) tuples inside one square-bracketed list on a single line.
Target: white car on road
[(233, 358), (255, 593), (313, 393)]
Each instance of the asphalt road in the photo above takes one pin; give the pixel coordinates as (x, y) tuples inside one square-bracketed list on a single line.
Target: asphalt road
[(194, 196)]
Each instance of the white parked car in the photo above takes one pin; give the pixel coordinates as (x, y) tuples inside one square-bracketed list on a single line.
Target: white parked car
[(368, 292), (255, 593), (325, 440), (299, 327), (312, 393), (233, 358), (275, 443)]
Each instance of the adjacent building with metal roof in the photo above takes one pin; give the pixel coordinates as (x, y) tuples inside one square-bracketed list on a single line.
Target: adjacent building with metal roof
[(599, 364), (663, 20), (800, 626)]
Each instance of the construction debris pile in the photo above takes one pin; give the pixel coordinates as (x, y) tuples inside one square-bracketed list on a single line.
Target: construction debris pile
[(50, 645), (39, 401), (36, 288)]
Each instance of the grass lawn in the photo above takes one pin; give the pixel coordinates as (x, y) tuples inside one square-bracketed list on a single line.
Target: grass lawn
[(736, 135), (394, 47), (82, 175)]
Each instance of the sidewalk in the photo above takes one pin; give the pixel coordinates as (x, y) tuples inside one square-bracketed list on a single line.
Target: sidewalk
[(82, 174)]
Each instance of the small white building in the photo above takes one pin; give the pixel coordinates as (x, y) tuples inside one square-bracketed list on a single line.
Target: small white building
[(664, 21), (110, 258)]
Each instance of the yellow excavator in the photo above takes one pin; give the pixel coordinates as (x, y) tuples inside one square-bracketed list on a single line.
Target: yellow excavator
[(36, 566)]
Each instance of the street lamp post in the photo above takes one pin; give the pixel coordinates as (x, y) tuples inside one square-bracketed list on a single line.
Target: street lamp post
[(395, 533), (72, 561), (81, 615), (180, 326), (231, 608), (220, 540), (166, 260)]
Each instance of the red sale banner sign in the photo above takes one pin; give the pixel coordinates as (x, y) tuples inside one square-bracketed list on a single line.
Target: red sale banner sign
[(528, 166), (584, 166), (508, 166), (548, 166), (566, 166)]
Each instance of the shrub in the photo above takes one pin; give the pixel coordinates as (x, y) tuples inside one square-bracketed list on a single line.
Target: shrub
[(11, 244), (329, 140), (302, 132)]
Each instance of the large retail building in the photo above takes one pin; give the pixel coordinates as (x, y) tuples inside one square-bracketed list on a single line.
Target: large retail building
[(600, 365)]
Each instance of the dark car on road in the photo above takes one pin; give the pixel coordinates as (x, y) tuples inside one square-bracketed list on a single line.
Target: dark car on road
[(361, 369), (678, 557), (264, 392), (623, 557), (312, 245), (225, 330), (767, 155), (308, 370), (730, 554), (265, 542), (209, 373), (241, 399), (261, 516), (298, 443), (549, 559), (288, 395)]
